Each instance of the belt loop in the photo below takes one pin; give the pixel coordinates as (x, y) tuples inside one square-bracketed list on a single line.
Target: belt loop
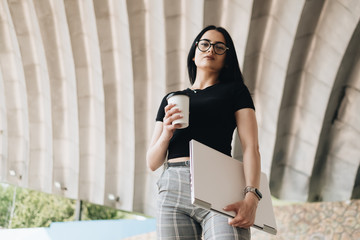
[(178, 164)]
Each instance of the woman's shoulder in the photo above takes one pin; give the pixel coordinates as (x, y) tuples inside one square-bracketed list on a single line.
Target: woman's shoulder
[(234, 85), (237, 89), (185, 91)]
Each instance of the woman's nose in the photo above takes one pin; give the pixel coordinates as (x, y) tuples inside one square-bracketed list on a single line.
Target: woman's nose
[(211, 49)]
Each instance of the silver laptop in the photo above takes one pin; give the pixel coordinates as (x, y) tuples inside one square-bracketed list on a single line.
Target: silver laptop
[(217, 180)]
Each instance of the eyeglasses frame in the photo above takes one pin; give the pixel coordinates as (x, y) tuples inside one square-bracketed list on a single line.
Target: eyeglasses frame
[(211, 44)]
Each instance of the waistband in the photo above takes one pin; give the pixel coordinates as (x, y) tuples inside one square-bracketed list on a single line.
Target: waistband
[(178, 164)]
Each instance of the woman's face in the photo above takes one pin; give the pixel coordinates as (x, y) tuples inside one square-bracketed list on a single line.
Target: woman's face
[(209, 60)]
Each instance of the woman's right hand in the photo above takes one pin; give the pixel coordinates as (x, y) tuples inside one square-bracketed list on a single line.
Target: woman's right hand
[(171, 114), (162, 134)]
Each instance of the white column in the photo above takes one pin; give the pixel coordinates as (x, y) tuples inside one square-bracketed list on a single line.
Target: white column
[(90, 97), (3, 131), (138, 15), (329, 43), (38, 92), (64, 105), (114, 40), (16, 100)]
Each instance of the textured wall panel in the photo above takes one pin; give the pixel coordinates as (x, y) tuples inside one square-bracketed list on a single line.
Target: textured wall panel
[(38, 93), (64, 105), (138, 16), (114, 39), (3, 132), (90, 94), (16, 101), (316, 81)]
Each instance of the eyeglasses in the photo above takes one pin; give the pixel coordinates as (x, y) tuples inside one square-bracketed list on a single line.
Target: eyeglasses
[(219, 47)]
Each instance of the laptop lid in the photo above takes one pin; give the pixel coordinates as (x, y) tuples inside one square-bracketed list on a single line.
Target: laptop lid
[(218, 180)]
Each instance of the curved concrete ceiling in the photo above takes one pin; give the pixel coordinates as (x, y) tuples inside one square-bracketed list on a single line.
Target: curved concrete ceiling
[(81, 81)]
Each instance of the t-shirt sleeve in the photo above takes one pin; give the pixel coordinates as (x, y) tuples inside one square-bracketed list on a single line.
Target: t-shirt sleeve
[(161, 112), (241, 97)]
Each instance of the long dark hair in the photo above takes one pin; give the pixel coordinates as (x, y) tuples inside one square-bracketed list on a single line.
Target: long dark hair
[(230, 71)]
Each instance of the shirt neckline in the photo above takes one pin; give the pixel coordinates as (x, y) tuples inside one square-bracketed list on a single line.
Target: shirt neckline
[(202, 90)]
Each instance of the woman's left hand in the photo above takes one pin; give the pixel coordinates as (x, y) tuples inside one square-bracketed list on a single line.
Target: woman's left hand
[(245, 211)]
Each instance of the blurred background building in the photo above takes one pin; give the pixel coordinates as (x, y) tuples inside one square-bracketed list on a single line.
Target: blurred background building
[(81, 82)]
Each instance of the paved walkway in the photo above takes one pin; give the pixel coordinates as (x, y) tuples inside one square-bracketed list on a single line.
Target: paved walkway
[(310, 221)]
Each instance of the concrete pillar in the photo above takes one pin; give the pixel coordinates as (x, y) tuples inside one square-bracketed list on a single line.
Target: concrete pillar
[(38, 94), (114, 40), (16, 101), (64, 105), (90, 97)]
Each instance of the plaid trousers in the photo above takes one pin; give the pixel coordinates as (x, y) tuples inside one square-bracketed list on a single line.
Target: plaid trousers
[(177, 218)]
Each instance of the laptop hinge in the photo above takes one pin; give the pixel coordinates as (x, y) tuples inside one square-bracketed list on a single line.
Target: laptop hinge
[(269, 229), (202, 204)]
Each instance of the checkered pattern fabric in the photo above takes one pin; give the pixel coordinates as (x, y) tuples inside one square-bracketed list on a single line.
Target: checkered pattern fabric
[(179, 219)]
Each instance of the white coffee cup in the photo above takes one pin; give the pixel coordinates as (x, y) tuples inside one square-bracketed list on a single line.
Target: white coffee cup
[(181, 102)]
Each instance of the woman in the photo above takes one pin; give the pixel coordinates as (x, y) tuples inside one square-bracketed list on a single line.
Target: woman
[(219, 102)]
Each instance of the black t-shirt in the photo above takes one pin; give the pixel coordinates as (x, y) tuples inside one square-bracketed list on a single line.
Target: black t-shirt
[(212, 117)]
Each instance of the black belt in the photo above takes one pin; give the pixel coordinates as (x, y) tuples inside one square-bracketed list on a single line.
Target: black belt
[(178, 164)]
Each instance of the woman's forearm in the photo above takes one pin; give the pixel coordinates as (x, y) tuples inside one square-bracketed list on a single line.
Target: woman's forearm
[(248, 133), (156, 154), (252, 166)]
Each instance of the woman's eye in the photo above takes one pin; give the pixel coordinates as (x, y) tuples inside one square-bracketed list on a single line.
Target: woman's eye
[(220, 47)]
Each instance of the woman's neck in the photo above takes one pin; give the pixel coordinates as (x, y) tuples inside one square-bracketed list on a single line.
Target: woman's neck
[(205, 79)]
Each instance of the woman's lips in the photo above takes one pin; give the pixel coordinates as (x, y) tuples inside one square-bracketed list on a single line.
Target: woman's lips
[(209, 57)]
